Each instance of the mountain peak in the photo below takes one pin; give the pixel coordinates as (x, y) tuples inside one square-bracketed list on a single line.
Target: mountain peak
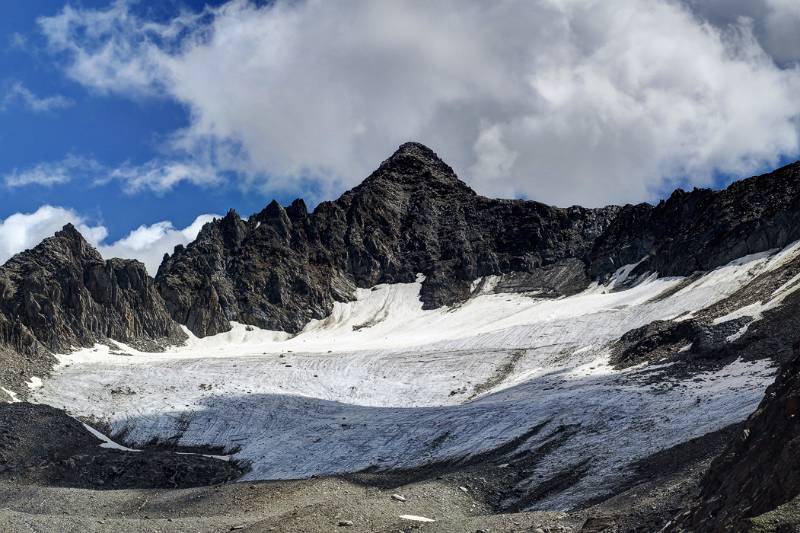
[(68, 240), (415, 152), (65, 295), (415, 149), (70, 232), (414, 163)]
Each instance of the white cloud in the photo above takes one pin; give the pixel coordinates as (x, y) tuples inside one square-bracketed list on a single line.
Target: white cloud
[(158, 175), (148, 244), (96, 39), (161, 176), (21, 231), (53, 173), (19, 93), (564, 101), (775, 22)]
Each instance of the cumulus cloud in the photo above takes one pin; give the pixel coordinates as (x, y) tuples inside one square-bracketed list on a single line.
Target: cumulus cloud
[(148, 244), (564, 101), (18, 93), (21, 231)]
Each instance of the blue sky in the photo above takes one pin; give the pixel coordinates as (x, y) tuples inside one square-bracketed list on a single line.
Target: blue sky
[(110, 128), (131, 118)]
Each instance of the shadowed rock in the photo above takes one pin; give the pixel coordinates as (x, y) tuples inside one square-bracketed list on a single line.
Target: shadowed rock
[(284, 267), (43, 445), (758, 471), (62, 294)]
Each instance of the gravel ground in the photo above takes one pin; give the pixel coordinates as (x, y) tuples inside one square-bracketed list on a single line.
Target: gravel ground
[(456, 498), (297, 506)]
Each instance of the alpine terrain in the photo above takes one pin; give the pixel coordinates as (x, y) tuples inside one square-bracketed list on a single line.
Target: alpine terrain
[(415, 356)]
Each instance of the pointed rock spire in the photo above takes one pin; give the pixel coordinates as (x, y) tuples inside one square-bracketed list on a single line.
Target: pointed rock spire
[(415, 164)]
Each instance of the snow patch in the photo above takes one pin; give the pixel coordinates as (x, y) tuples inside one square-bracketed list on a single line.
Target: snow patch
[(11, 394), (107, 442), (734, 336), (752, 310)]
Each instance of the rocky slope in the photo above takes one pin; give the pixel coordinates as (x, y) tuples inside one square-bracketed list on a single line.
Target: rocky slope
[(703, 229), (758, 471), (284, 266), (62, 294), (42, 445)]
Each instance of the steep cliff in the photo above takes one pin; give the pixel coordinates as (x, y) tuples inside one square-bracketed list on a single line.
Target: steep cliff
[(62, 294)]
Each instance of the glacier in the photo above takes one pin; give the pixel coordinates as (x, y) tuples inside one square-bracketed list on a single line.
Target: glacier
[(383, 384)]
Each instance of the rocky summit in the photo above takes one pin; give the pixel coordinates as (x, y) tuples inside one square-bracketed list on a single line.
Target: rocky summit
[(413, 354), (284, 266)]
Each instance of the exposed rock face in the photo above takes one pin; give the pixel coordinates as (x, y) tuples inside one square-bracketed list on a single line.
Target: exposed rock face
[(284, 266), (703, 229), (62, 294), (758, 471), (667, 339)]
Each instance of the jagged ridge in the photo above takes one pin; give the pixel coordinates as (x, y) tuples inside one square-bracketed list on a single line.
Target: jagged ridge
[(283, 266)]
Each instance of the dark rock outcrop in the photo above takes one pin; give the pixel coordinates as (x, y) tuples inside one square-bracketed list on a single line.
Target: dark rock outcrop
[(703, 229), (758, 471), (667, 339), (62, 294), (43, 445), (285, 266)]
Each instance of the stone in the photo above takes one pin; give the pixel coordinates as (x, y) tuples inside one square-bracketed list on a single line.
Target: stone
[(416, 518)]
